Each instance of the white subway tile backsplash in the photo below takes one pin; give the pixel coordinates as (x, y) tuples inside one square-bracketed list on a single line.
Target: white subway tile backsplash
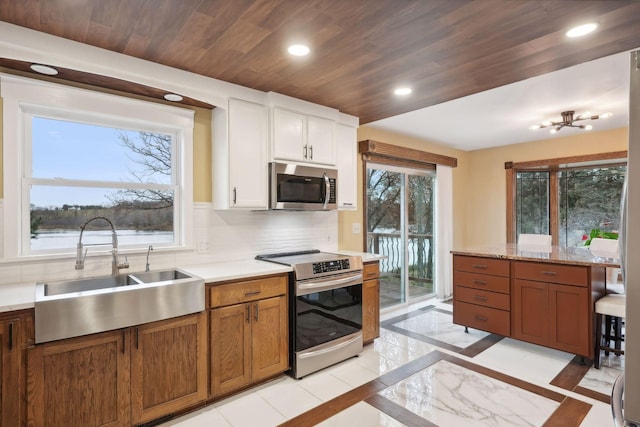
[(219, 236)]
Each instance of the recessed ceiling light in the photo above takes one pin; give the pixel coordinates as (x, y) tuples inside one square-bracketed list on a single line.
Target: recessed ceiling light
[(298, 50), (402, 91), (582, 30), (44, 69), (173, 97)]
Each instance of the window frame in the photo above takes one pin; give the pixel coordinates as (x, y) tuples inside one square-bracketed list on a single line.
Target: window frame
[(553, 166), (24, 98)]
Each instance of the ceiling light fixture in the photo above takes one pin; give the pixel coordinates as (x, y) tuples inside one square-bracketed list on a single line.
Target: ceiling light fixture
[(569, 120), (403, 91), (299, 50), (174, 97), (582, 30), (44, 69)]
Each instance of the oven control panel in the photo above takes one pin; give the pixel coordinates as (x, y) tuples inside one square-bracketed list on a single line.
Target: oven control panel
[(329, 266)]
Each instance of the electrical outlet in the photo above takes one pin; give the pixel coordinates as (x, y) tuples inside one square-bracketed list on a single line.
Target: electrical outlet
[(355, 228)]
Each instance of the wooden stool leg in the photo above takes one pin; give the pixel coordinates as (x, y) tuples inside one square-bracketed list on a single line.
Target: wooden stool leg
[(618, 334), (608, 333), (596, 357)]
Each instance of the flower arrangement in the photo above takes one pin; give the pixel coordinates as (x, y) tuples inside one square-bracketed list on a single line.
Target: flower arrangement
[(596, 232)]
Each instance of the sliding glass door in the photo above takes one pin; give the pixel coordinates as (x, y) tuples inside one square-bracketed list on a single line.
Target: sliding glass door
[(400, 216)]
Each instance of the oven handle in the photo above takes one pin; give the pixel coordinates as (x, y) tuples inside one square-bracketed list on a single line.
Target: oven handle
[(303, 288), (330, 349)]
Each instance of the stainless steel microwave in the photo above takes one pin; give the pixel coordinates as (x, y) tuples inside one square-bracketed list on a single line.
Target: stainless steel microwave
[(302, 188)]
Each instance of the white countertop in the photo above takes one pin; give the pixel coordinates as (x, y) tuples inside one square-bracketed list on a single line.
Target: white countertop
[(220, 272), (22, 296), (17, 296)]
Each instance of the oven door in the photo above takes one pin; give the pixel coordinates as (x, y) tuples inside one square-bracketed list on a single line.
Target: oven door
[(328, 322)]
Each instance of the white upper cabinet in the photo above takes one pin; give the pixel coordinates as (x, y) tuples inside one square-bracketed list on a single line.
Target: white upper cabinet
[(347, 150), (303, 138), (241, 141), (289, 135), (321, 140)]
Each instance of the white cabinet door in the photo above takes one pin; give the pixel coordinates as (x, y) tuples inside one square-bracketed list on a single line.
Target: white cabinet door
[(346, 141), (321, 141), (289, 135), (248, 144)]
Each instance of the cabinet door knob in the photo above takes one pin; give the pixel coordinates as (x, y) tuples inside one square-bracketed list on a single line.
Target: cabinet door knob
[(234, 195), (311, 152), (255, 314), (481, 318), (304, 151), (479, 282), (248, 312), (480, 266), (480, 298)]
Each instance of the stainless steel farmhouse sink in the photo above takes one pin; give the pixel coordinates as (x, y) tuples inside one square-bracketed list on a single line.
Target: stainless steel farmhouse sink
[(77, 307)]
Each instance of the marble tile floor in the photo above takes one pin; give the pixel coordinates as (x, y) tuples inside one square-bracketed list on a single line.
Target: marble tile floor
[(425, 371)]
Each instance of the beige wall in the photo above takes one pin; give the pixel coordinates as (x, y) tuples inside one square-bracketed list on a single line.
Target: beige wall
[(485, 188), (479, 181)]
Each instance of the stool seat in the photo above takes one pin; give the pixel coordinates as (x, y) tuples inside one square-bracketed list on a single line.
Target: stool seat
[(611, 305)]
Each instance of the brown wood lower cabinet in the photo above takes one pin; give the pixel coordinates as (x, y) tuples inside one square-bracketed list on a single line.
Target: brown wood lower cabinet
[(13, 338), (551, 303), (249, 337), (119, 378), (80, 381), (371, 302), (168, 366)]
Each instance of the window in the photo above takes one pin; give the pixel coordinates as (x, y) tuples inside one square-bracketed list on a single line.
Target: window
[(567, 199), (82, 154)]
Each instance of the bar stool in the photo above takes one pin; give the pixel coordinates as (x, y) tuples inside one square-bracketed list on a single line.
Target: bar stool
[(612, 306)]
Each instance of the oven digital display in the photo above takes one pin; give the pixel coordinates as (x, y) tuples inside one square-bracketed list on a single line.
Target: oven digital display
[(329, 266)]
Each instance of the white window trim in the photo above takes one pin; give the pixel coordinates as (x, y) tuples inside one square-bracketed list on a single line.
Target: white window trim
[(22, 96)]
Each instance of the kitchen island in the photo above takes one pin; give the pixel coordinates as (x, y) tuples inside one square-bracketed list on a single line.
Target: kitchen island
[(542, 295)]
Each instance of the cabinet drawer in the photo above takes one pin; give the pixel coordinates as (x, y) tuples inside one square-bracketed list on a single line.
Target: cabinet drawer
[(483, 318), (249, 290), (485, 298), (370, 271), (493, 266), (481, 281), (551, 273)]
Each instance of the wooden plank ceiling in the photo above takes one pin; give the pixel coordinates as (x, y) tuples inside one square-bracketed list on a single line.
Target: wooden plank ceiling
[(361, 49)]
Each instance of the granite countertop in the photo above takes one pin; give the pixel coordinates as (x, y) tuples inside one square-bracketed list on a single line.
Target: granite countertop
[(552, 254), (22, 295)]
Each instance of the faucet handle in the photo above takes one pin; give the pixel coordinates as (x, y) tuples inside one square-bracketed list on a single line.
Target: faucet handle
[(124, 264)]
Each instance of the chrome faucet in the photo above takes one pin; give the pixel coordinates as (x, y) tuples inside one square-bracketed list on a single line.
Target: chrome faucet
[(148, 252), (115, 264)]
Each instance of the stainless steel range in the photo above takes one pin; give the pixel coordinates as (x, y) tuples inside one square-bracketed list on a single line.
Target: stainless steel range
[(325, 308)]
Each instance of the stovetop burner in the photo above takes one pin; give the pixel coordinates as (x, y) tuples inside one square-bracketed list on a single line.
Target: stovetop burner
[(314, 263)]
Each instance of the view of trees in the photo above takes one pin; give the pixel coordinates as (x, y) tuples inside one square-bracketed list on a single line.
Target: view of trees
[(384, 218), (588, 198), (152, 152)]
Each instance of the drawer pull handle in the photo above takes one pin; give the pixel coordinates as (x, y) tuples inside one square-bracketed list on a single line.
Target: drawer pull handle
[(481, 318), (250, 294), (549, 273), (480, 298), (480, 266), (479, 282)]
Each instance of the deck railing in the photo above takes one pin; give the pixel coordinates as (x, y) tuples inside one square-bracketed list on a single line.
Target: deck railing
[(420, 247)]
